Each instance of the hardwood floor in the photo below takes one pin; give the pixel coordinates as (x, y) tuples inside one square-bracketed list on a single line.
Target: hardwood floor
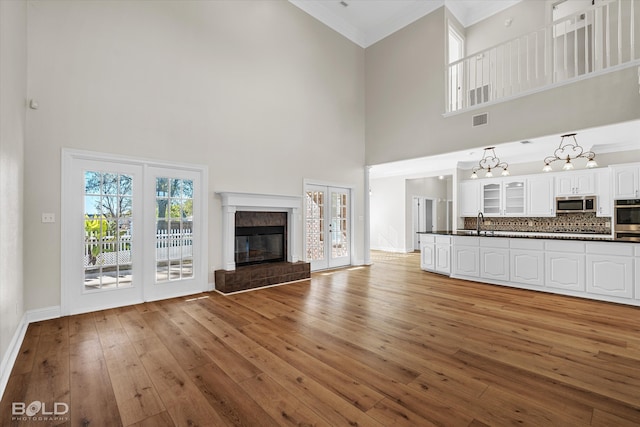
[(367, 346)]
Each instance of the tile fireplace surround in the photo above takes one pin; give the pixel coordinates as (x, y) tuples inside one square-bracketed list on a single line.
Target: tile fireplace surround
[(232, 279)]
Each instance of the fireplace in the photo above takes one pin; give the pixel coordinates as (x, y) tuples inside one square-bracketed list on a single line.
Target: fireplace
[(260, 242), (256, 245)]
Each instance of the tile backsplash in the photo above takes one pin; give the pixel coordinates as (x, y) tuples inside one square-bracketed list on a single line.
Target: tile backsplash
[(562, 223)]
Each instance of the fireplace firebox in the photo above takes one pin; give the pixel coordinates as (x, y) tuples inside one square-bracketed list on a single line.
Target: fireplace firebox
[(261, 244)]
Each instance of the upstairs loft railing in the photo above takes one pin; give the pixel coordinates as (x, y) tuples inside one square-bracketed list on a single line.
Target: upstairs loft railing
[(599, 39)]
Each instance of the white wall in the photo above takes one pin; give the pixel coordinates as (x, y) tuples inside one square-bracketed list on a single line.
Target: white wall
[(389, 215), (431, 188), (526, 17), (260, 92), (406, 89), (391, 209), (13, 89)]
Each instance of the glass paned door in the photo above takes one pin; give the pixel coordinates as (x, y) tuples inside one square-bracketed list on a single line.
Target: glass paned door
[(131, 231), (339, 226), (108, 225), (314, 228), (327, 226), (102, 235), (175, 229)]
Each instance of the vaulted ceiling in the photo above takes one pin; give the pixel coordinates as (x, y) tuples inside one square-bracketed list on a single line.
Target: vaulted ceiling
[(367, 21)]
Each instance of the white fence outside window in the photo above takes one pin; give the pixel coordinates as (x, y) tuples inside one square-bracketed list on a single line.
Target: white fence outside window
[(112, 250)]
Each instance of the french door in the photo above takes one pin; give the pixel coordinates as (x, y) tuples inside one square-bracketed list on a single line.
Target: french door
[(327, 226), (131, 232), (174, 241)]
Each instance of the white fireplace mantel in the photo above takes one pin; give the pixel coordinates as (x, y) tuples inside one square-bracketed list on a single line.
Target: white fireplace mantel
[(233, 202)]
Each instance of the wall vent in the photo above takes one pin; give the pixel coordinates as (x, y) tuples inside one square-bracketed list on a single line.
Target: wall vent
[(480, 119)]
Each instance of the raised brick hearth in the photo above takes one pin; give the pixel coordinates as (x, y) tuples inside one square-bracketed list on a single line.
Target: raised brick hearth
[(255, 276)]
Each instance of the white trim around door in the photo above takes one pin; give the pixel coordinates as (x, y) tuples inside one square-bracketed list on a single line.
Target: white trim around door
[(115, 251)]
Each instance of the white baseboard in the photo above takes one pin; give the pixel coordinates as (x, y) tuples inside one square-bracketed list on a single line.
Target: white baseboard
[(46, 313), (392, 249), (10, 356)]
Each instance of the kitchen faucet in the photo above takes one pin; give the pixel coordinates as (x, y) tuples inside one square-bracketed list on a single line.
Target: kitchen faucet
[(478, 223)]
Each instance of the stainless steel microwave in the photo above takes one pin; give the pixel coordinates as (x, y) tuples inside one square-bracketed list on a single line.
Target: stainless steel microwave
[(571, 204)]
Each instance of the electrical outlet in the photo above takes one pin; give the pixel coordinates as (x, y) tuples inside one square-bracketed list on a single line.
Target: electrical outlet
[(530, 223), (48, 217), (607, 224)]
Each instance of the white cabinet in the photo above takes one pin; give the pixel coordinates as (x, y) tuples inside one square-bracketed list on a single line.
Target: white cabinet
[(534, 195), (626, 181), (514, 198), (466, 252), (540, 196), (610, 269), (494, 258), (503, 197), (427, 254), (469, 198), (564, 265), (608, 275), (435, 253), (491, 198), (443, 255), (575, 184), (603, 192), (527, 261)]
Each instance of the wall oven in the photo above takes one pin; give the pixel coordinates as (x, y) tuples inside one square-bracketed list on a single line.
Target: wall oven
[(626, 224)]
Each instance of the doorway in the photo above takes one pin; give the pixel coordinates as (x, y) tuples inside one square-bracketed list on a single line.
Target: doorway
[(131, 232), (327, 226), (423, 217)]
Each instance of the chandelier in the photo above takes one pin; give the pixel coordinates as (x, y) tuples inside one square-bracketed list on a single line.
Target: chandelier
[(568, 151), (490, 161)]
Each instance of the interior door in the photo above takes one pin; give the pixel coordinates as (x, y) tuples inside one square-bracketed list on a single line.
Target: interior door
[(327, 226)]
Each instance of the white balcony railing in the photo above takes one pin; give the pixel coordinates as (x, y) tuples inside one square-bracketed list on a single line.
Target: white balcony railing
[(601, 38)]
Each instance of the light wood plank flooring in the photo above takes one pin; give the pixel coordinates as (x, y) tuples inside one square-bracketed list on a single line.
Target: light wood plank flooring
[(384, 345)]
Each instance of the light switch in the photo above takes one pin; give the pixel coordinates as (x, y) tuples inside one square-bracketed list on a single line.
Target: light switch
[(48, 217)]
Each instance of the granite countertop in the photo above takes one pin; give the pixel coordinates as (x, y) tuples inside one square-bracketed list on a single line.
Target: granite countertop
[(527, 235)]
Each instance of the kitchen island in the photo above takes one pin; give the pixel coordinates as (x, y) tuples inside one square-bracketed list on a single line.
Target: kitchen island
[(580, 265)]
